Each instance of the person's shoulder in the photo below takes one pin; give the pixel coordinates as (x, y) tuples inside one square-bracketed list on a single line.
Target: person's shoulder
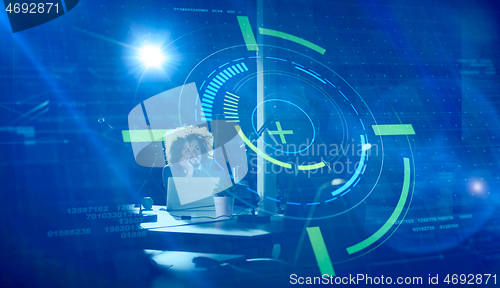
[(213, 169), (208, 164), (173, 170)]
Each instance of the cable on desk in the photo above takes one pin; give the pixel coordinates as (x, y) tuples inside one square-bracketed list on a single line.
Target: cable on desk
[(188, 224), (185, 224), (184, 209), (197, 217), (240, 212)]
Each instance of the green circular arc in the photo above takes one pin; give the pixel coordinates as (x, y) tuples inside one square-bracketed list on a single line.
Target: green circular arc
[(394, 216)]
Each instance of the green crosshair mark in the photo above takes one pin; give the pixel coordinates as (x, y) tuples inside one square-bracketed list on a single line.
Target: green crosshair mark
[(281, 132)]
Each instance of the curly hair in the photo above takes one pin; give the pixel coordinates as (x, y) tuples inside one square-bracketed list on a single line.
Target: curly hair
[(175, 140)]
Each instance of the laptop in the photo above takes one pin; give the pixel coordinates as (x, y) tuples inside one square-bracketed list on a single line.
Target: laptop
[(191, 193)]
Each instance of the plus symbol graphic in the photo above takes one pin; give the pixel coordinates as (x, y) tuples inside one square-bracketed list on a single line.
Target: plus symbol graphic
[(281, 132)]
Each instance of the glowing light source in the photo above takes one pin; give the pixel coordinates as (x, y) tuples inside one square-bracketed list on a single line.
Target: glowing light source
[(152, 56), (477, 187)]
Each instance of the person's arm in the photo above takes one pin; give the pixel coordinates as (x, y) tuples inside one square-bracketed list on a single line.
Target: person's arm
[(189, 173), (187, 166)]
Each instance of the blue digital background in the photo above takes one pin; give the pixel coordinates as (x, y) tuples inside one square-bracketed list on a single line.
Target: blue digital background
[(68, 86)]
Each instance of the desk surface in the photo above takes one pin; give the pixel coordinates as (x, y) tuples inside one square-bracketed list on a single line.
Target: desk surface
[(224, 235), (223, 226)]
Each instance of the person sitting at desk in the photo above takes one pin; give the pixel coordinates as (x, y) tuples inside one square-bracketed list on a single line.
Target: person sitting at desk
[(189, 154)]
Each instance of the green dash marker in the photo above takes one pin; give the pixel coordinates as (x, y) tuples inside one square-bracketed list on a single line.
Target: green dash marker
[(395, 214), (144, 135), (393, 129), (290, 37), (320, 252), (246, 30)]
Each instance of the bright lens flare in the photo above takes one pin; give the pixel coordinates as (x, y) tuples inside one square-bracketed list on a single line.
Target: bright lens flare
[(477, 187), (152, 56)]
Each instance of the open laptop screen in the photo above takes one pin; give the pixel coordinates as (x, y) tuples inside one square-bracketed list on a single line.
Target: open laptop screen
[(190, 191)]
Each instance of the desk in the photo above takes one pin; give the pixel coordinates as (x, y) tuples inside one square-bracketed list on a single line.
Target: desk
[(225, 236)]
